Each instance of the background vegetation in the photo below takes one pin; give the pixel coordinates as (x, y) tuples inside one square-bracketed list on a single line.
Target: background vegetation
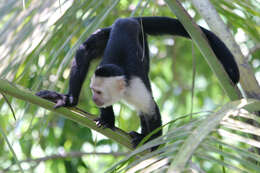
[(37, 43)]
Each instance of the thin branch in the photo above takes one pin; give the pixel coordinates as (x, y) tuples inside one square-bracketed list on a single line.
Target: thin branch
[(11, 149), (10, 106), (75, 154), (193, 79), (72, 154)]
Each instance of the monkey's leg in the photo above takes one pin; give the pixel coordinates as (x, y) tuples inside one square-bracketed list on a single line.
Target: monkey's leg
[(149, 122)]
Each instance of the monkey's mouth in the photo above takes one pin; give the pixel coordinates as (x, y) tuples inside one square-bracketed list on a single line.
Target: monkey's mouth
[(98, 103)]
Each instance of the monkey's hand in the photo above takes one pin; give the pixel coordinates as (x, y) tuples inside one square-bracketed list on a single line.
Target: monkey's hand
[(101, 122), (60, 99), (136, 138), (107, 118)]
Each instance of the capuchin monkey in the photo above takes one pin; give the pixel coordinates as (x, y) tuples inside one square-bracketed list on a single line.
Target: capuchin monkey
[(123, 73)]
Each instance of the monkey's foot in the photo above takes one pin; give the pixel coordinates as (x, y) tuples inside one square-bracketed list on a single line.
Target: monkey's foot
[(136, 138), (103, 123)]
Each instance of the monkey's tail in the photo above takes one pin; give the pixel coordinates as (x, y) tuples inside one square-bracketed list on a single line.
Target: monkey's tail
[(165, 25)]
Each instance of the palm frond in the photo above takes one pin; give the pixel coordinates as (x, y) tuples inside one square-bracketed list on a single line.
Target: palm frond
[(205, 138)]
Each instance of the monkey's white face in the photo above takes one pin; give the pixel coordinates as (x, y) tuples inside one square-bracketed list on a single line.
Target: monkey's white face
[(107, 90)]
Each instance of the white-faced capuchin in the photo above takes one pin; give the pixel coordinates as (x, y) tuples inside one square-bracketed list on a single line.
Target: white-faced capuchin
[(123, 71)]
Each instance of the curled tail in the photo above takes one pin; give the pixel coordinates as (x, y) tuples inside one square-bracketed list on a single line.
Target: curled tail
[(165, 25)]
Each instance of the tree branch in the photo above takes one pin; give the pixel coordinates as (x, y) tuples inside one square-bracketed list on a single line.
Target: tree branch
[(72, 154), (74, 114), (64, 156)]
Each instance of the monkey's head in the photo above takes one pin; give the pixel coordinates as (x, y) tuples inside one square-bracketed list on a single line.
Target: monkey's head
[(107, 85)]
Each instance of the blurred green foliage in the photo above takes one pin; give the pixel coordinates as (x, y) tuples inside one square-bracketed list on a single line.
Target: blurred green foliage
[(37, 44)]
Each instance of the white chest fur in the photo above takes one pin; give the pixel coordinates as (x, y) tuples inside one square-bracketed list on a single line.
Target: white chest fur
[(137, 95)]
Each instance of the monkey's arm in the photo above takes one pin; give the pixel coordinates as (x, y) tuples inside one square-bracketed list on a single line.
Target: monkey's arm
[(107, 118), (92, 48)]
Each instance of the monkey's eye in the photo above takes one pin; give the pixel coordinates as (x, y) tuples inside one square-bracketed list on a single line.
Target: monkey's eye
[(98, 92)]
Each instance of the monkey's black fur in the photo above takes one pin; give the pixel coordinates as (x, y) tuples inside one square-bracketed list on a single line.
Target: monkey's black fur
[(125, 52), (109, 70)]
